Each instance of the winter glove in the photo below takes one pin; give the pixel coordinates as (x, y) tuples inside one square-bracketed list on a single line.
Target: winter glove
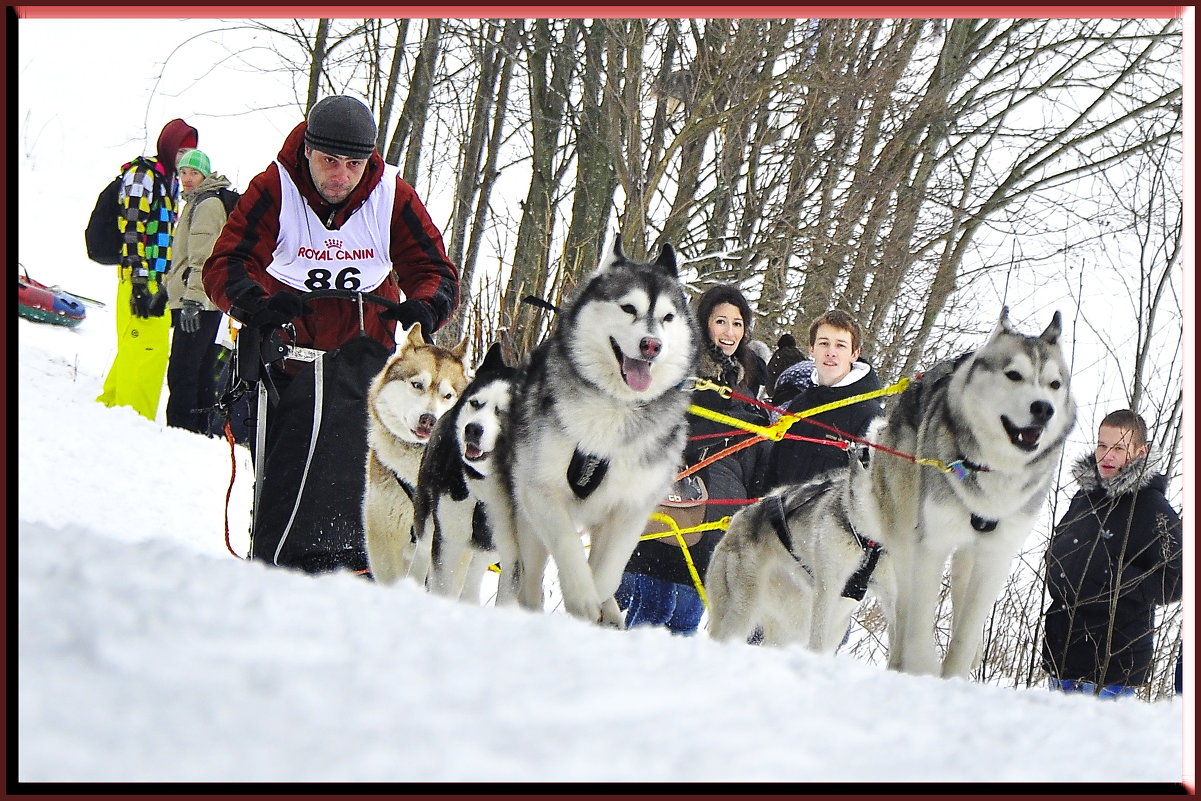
[(145, 303), (272, 312), (189, 317), (410, 312)]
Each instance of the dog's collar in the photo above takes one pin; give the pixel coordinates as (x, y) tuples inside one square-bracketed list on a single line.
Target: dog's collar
[(962, 468), (585, 473)]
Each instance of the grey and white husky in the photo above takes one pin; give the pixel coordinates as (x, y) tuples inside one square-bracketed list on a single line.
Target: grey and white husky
[(597, 431), (996, 420), (988, 429), (455, 543), (795, 563)]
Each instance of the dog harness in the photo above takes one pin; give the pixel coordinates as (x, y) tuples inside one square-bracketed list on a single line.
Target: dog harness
[(856, 585), (404, 485), (585, 473), (982, 525), (408, 490)]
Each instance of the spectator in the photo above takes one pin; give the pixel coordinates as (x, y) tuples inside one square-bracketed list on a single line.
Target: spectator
[(833, 372), (787, 354), (194, 367), (148, 205), (657, 588), (1113, 558), (757, 385)]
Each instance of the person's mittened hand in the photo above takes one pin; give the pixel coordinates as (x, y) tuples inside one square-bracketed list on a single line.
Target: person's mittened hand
[(282, 307), (410, 312), (157, 306), (189, 317), (140, 297)]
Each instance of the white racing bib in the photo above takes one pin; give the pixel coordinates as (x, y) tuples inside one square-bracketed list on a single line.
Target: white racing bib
[(308, 256)]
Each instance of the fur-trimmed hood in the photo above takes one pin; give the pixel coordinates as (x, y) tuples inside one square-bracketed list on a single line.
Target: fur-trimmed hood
[(728, 371), (1136, 475)]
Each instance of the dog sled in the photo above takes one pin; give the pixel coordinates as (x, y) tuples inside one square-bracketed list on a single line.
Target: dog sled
[(309, 463)]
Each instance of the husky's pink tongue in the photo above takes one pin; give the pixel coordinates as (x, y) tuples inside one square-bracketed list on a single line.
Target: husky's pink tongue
[(636, 372)]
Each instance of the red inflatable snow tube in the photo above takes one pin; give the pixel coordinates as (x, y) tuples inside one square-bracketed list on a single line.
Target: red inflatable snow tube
[(43, 304)]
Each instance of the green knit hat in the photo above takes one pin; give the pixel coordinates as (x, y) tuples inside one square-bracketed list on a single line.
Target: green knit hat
[(197, 160)]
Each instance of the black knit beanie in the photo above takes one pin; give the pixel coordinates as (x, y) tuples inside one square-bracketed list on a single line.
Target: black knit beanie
[(341, 126)]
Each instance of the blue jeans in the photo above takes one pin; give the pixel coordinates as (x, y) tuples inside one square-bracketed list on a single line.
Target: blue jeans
[(1107, 691), (654, 602)]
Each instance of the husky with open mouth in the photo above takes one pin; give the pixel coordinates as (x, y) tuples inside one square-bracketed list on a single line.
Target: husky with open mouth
[(455, 541), (597, 431), (416, 386), (995, 421)]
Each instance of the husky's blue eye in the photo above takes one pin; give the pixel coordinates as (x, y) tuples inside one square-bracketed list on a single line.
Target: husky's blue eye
[(628, 309), (1013, 375), (417, 385)]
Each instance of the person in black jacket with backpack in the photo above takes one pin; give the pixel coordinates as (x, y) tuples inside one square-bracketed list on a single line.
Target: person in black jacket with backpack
[(832, 373), (1113, 558), (195, 364)]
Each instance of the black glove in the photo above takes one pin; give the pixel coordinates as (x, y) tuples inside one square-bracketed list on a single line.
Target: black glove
[(145, 303), (410, 312), (272, 312), (189, 317)]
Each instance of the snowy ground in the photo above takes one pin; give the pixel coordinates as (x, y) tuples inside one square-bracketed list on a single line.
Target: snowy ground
[(146, 652)]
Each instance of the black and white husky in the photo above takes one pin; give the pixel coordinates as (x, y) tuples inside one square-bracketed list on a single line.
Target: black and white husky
[(455, 543), (597, 431)]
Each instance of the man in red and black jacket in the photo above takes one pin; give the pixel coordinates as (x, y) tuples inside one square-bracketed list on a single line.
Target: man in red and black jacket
[(330, 214), (327, 214)]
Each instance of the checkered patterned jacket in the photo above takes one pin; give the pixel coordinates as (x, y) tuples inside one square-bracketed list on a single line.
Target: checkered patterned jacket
[(148, 204)]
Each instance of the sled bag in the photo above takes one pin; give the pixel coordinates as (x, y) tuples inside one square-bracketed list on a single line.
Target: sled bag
[(314, 473)]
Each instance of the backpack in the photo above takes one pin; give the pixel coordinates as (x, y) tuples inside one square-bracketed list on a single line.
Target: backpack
[(228, 196), (102, 236)]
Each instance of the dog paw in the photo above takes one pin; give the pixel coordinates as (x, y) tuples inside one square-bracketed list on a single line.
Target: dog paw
[(611, 616)]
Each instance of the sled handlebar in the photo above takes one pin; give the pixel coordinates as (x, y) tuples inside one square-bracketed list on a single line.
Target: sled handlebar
[(258, 341), (349, 294)]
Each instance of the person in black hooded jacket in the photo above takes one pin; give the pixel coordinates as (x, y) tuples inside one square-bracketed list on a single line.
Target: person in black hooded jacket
[(1113, 558), (833, 372)]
